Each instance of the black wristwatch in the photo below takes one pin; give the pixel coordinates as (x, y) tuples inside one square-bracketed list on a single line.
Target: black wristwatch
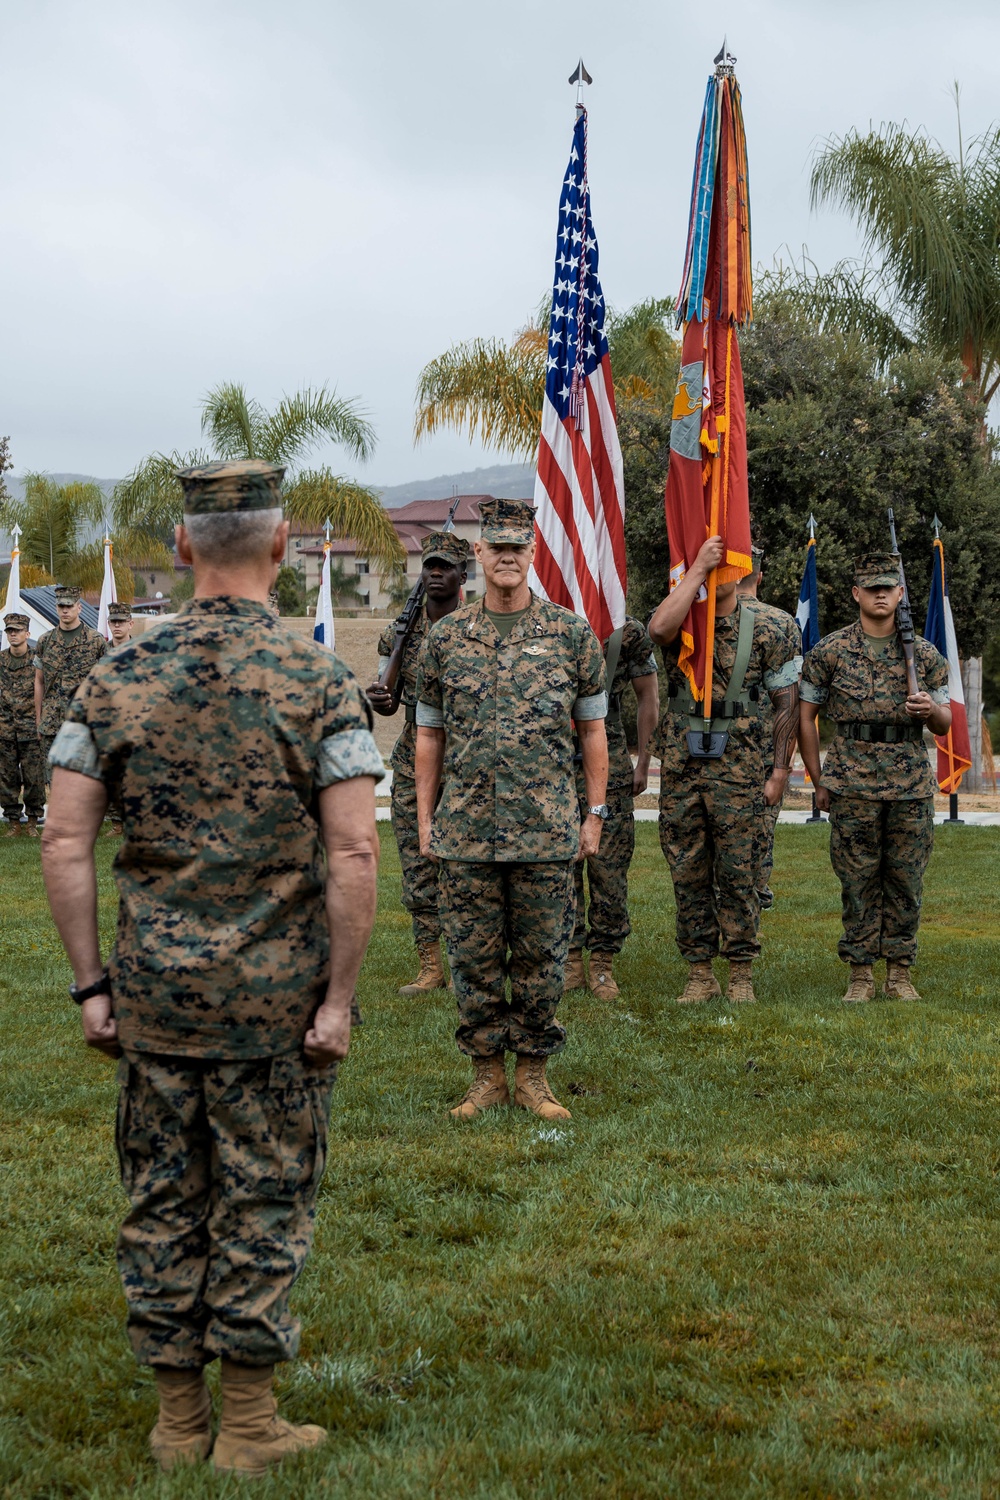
[(101, 986)]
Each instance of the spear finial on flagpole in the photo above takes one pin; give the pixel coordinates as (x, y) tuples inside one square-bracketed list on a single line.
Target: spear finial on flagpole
[(328, 528), (725, 62), (937, 526), (15, 532), (812, 527), (580, 76)]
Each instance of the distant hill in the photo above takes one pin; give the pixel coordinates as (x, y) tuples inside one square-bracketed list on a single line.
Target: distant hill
[(512, 481)]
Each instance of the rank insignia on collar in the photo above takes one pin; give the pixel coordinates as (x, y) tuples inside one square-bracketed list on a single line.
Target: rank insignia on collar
[(536, 650)]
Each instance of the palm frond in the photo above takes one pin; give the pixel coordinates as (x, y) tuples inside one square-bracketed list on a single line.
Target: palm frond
[(234, 424), (353, 511), (150, 499), (489, 390), (310, 417), (844, 300), (642, 346), (51, 517)]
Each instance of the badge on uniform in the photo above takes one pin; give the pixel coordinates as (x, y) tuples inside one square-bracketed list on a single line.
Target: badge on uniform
[(536, 650)]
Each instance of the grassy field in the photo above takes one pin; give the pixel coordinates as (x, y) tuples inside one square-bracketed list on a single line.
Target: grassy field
[(762, 1259)]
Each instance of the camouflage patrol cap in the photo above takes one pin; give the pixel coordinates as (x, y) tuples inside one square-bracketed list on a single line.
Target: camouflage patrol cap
[(877, 570), (508, 521), (66, 593), (446, 545), (119, 612), (231, 485), (16, 622)]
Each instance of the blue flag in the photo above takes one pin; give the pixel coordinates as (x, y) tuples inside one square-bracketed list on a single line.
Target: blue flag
[(807, 613)]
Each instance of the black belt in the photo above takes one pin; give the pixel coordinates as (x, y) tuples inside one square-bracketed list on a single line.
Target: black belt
[(410, 712), (880, 734), (732, 708)]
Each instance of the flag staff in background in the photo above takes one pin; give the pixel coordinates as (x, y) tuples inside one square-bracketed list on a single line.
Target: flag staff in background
[(954, 756), (109, 593), (323, 630), (706, 492), (579, 487), (12, 603), (807, 615)]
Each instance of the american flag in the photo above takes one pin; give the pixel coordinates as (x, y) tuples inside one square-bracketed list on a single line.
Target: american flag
[(579, 490)]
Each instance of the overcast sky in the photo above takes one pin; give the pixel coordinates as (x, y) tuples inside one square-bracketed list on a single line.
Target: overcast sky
[(318, 191)]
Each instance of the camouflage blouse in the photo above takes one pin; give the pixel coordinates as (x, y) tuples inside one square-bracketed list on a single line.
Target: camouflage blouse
[(507, 709), (855, 683), (64, 657), (401, 759), (17, 693), (221, 728), (636, 659), (774, 663)]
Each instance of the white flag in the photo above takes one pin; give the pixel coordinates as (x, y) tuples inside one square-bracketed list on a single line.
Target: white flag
[(12, 604), (323, 629), (109, 594)]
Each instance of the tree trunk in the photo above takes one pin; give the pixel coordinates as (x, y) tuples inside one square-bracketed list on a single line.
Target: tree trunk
[(972, 686)]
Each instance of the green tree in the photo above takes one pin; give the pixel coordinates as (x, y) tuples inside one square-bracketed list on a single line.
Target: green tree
[(290, 589), (236, 426), (493, 390)]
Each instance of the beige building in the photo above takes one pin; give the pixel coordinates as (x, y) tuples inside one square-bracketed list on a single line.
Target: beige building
[(412, 523)]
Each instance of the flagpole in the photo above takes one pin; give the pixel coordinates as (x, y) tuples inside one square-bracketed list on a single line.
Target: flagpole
[(815, 816), (952, 817)]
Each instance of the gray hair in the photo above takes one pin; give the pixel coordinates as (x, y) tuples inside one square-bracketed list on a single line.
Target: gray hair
[(232, 536)]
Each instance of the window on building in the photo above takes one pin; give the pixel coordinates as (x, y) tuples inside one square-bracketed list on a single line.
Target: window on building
[(361, 568)]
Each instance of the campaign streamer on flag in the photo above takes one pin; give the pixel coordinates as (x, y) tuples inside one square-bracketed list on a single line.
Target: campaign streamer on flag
[(109, 593), (807, 613), (707, 492), (12, 603), (579, 488), (323, 630), (954, 751)]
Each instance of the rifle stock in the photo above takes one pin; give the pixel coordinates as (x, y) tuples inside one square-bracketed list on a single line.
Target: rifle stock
[(389, 677), (904, 617)]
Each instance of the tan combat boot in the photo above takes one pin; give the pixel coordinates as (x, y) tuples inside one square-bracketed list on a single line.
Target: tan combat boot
[(487, 1090), (252, 1436), (862, 985), (183, 1431), (602, 979), (117, 828), (531, 1090), (576, 978), (898, 984), (33, 829), (739, 990), (701, 985), (13, 829), (431, 976)]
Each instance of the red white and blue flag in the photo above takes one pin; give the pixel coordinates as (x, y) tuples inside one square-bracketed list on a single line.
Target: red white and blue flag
[(579, 488), (323, 628), (954, 751)]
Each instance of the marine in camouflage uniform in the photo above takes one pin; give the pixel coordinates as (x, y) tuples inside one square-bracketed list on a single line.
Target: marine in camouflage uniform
[(497, 696), (419, 875), (711, 810), (221, 729), (787, 622), (63, 657), (877, 779), (607, 871), (21, 769)]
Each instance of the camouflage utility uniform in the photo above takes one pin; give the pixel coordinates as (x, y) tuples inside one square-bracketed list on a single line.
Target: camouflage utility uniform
[(607, 871), (221, 728), (507, 827), (765, 849), (881, 786), (420, 875), (711, 811), (64, 657), (21, 768)]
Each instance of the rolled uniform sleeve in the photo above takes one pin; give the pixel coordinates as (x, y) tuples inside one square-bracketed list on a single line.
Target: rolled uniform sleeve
[(74, 749), (817, 672), (934, 671), (591, 691), (782, 663), (347, 747), (430, 698)]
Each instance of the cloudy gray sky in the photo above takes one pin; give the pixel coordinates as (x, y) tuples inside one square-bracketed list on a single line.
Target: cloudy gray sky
[(287, 194)]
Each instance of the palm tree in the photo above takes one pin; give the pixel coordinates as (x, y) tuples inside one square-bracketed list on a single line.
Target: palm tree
[(237, 426), (54, 520), (493, 390), (931, 233)]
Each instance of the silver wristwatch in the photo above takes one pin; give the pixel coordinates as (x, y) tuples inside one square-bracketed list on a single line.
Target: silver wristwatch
[(599, 812)]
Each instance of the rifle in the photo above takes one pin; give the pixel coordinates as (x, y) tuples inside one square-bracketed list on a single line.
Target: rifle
[(390, 674), (904, 616)]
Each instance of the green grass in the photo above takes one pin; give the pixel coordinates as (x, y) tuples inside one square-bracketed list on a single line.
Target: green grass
[(762, 1260)]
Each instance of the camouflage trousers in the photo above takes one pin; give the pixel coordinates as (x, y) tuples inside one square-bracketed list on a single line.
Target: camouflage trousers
[(46, 741), (710, 834), (607, 879), (879, 851), (420, 875), (221, 1162), (507, 921), (21, 772), (765, 847)]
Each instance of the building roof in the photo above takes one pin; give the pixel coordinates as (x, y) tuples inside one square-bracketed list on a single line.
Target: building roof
[(432, 513)]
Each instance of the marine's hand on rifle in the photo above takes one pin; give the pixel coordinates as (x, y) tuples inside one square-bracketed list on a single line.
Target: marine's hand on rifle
[(381, 699), (920, 706)]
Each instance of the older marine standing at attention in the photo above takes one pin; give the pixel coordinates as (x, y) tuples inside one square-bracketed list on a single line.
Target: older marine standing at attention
[(241, 753), (63, 657), (876, 783), (444, 560), (501, 683)]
